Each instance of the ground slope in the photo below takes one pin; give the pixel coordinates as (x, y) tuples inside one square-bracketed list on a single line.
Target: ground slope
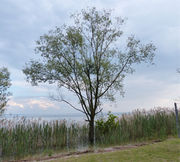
[(168, 150)]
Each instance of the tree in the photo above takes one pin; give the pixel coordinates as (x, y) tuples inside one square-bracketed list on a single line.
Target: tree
[(86, 58), (4, 85)]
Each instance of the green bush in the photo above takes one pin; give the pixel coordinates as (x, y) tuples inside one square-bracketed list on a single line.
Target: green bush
[(106, 125)]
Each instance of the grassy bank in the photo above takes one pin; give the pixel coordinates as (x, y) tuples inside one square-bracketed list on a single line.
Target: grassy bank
[(28, 137), (162, 151)]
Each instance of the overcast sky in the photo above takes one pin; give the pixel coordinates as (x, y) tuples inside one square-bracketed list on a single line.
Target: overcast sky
[(22, 22)]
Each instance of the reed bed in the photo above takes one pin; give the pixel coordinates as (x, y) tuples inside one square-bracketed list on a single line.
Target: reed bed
[(139, 125), (24, 137)]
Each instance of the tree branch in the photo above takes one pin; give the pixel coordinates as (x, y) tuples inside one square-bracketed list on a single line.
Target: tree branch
[(99, 111), (122, 69), (72, 106)]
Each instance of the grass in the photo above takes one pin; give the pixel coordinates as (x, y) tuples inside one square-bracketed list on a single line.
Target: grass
[(23, 137), (168, 150)]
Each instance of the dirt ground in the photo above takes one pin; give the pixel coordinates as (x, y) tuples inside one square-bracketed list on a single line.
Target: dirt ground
[(78, 153)]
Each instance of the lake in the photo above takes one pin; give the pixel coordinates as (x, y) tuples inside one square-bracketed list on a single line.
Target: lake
[(68, 117)]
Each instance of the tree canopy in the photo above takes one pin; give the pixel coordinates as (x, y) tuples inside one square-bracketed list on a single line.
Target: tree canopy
[(4, 85), (88, 59)]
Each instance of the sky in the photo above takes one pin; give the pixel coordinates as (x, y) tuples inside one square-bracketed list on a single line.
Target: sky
[(22, 22)]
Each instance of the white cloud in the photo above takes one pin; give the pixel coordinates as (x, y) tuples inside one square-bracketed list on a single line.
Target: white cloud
[(15, 104), (42, 104), (32, 105)]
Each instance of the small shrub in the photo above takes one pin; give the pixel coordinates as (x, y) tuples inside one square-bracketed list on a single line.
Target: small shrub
[(104, 126)]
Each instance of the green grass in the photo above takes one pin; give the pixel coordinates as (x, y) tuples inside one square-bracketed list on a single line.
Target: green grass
[(168, 150)]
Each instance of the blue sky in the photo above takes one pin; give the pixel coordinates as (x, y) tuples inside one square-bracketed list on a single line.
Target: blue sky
[(22, 22)]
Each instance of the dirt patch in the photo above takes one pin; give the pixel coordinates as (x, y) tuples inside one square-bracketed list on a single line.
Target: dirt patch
[(76, 154)]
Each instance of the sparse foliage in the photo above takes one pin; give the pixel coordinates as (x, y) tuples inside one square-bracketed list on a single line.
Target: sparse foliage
[(4, 85), (87, 59)]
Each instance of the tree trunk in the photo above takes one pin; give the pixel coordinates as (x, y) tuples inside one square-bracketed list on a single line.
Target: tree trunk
[(91, 131)]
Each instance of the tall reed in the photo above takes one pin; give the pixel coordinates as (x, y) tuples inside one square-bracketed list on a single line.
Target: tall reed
[(140, 125), (31, 136), (22, 137)]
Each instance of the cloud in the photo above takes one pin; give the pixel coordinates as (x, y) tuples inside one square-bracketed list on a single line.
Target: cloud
[(42, 104), (29, 105), (23, 22), (37, 106), (14, 104)]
